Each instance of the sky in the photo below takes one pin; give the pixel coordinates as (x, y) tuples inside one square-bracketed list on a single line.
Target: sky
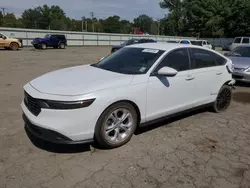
[(126, 9)]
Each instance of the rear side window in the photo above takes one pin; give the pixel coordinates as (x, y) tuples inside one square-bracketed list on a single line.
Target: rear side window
[(177, 59), (202, 58), (245, 41), (60, 37), (237, 40)]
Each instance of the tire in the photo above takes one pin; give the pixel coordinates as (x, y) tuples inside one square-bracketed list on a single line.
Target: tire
[(62, 46), (43, 46), (223, 99), (110, 129), (14, 46)]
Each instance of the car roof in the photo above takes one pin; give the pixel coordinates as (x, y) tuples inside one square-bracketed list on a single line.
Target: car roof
[(140, 39), (163, 46)]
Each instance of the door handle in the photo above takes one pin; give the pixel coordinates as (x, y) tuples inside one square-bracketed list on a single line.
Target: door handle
[(189, 78), (219, 73)]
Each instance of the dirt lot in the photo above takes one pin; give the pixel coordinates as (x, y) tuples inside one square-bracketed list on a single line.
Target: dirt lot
[(201, 149)]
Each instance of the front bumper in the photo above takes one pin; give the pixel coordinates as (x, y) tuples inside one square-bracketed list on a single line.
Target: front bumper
[(77, 125), (241, 76), (49, 135)]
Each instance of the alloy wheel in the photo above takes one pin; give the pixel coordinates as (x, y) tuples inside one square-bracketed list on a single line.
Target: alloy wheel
[(118, 126), (224, 99)]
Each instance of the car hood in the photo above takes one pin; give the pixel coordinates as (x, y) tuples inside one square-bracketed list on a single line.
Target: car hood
[(39, 39), (240, 62), (79, 80), (117, 46)]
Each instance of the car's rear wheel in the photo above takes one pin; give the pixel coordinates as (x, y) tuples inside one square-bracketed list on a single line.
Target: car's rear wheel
[(116, 125), (223, 99), (61, 45), (43, 46), (14, 46)]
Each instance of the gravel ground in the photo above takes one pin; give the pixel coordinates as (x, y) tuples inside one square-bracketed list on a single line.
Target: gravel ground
[(201, 149)]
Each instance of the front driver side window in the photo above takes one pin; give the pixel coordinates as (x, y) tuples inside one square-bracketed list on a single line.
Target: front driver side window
[(177, 59)]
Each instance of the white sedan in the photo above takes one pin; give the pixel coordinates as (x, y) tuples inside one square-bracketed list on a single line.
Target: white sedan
[(106, 101)]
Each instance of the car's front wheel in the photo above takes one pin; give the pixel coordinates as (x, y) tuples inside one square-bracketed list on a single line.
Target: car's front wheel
[(223, 99), (14, 46), (116, 125), (43, 46), (62, 46)]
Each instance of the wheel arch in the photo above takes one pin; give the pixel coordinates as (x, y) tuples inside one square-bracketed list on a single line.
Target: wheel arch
[(229, 83), (137, 109), (14, 42)]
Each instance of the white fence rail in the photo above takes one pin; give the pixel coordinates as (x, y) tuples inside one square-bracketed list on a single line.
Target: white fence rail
[(81, 38)]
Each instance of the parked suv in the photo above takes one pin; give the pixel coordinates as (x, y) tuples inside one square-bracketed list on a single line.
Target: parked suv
[(10, 43), (130, 42), (238, 41), (55, 41)]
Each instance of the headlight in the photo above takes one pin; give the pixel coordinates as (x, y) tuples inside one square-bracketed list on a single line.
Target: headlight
[(65, 105)]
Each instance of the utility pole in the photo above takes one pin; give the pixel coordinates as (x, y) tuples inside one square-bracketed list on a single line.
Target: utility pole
[(3, 10), (92, 17), (158, 26), (86, 25), (83, 18)]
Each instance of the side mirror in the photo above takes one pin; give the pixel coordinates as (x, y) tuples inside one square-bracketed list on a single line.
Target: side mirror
[(226, 54), (4, 37), (167, 71)]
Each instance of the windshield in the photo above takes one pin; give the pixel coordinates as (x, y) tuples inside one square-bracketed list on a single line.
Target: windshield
[(241, 51), (130, 60), (198, 43), (2, 36), (128, 42)]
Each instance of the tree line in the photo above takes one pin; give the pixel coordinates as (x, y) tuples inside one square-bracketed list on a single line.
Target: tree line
[(197, 18)]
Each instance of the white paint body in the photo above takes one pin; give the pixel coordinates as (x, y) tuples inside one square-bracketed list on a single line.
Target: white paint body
[(155, 98)]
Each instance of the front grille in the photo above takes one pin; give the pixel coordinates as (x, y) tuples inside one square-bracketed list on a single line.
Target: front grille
[(32, 104), (45, 134)]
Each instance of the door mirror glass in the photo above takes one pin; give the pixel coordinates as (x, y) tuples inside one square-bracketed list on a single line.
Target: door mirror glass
[(167, 71)]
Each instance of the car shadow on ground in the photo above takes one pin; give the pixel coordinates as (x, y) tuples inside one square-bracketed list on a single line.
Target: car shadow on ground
[(80, 148), (167, 120), (242, 84), (242, 96), (57, 148)]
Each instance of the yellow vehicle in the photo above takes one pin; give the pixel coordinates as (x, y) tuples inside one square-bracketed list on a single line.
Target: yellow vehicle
[(10, 43)]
